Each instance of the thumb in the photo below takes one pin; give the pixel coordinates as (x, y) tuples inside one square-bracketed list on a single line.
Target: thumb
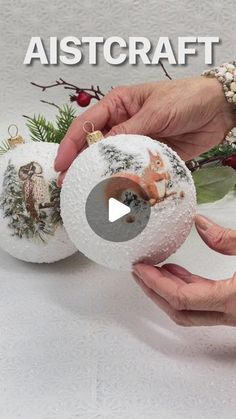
[(222, 240), (137, 124)]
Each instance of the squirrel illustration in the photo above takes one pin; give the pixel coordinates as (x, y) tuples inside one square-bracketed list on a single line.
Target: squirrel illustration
[(151, 185)]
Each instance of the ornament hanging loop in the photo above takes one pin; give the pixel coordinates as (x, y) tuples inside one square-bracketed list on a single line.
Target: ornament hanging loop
[(15, 139), (92, 136), (10, 130), (90, 124)]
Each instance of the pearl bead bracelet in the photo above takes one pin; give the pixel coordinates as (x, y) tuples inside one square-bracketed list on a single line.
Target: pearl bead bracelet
[(226, 74), (231, 137)]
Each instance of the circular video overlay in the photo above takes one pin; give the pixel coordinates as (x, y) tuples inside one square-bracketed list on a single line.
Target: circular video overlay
[(117, 209)]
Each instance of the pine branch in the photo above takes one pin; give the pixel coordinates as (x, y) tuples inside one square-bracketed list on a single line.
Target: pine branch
[(4, 147), (40, 129), (64, 119), (43, 130), (222, 150)]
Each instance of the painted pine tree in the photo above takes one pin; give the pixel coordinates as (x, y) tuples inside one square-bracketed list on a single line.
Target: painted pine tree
[(12, 203), (55, 201), (176, 166), (118, 160)]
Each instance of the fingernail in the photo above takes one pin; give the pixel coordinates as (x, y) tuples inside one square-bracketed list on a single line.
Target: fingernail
[(59, 182), (203, 222), (56, 161)]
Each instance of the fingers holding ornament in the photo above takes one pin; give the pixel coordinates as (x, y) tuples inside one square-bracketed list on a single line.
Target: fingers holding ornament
[(222, 240), (193, 303)]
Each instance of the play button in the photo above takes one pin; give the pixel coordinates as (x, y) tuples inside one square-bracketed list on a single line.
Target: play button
[(117, 209)]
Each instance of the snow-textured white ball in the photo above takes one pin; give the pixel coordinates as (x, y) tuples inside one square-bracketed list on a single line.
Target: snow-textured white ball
[(31, 227), (168, 187)]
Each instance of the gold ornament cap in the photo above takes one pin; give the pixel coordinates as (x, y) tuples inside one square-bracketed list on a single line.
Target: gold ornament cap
[(14, 139), (92, 136)]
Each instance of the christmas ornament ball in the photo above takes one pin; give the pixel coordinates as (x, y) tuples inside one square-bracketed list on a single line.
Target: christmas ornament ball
[(167, 187), (31, 227)]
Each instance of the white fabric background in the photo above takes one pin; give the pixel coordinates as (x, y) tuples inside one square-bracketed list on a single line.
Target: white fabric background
[(78, 340), (81, 341)]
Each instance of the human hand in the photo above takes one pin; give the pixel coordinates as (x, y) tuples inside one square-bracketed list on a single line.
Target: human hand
[(190, 115), (188, 299)]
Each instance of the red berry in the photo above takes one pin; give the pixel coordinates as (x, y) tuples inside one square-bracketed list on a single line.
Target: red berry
[(230, 161), (83, 99)]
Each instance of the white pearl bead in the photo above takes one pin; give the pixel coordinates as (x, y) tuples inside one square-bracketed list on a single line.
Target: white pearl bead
[(229, 76), (221, 71), (229, 94), (233, 86)]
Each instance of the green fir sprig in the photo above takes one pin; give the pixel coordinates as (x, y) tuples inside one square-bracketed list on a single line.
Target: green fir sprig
[(42, 130), (222, 150), (4, 147)]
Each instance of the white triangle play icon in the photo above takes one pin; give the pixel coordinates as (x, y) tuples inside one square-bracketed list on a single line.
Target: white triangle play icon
[(116, 210)]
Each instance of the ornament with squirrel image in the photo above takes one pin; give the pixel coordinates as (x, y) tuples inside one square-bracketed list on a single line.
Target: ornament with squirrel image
[(139, 173), (153, 184)]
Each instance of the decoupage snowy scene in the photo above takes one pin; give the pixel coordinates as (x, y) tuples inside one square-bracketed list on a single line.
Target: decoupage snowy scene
[(154, 176), (31, 226)]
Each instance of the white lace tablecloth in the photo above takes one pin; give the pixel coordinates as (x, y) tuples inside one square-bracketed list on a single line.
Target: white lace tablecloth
[(80, 341)]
